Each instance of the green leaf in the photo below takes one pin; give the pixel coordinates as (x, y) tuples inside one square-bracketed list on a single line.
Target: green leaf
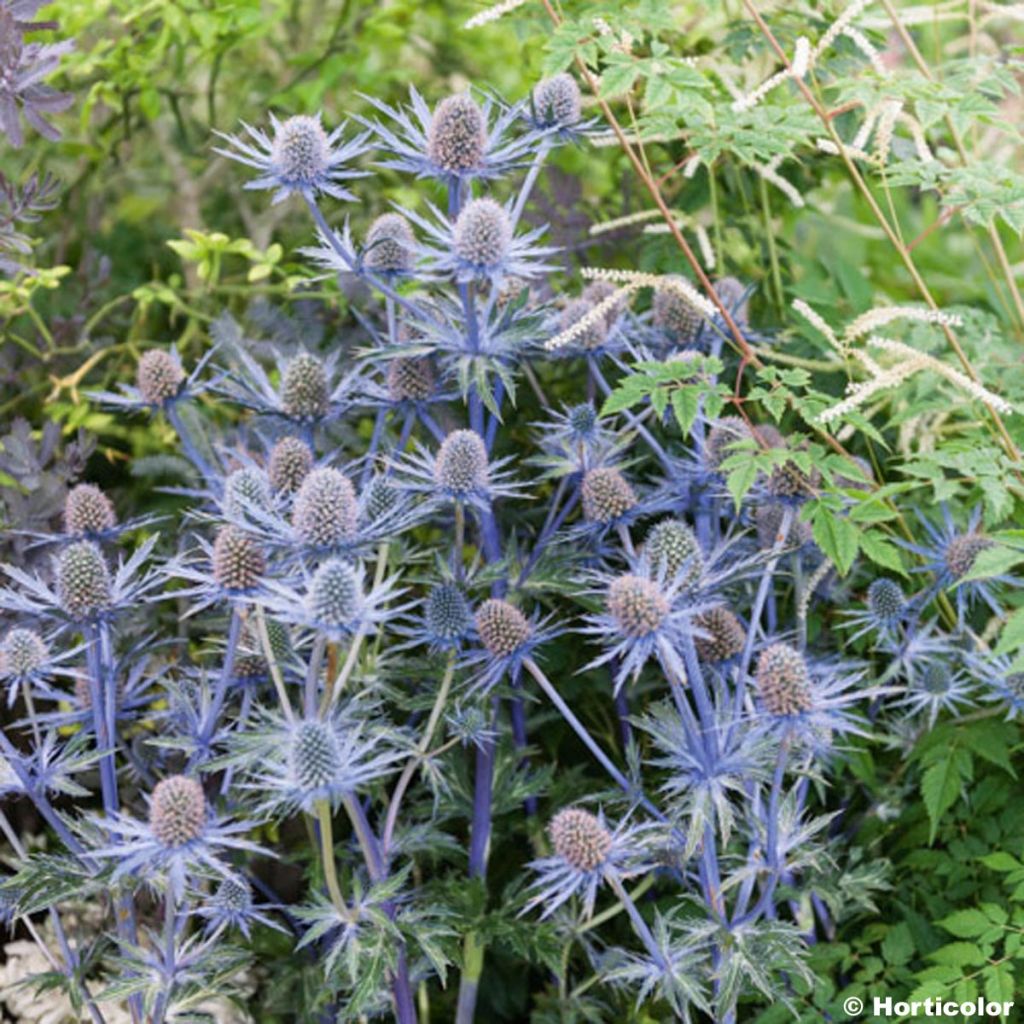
[(837, 537), (942, 784), (898, 945), (966, 924), (1012, 636)]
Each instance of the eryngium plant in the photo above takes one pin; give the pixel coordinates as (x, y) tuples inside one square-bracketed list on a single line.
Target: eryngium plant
[(350, 650)]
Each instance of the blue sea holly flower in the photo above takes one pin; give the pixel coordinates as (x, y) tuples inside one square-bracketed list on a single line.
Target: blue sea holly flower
[(291, 764), (333, 602), (555, 109), (585, 850), (181, 840), (27, 659), (444, 620), (481, 244), (299, 156), (459, 473), (940, 687), (232, 569), (507, 638), (812, 702), (455, 142), (640, 621), (160, 382), (885, 608), (573, 441), (609, 502), (231, 905), (1000, 681), (49, 768), (84, 587), (950, 557)]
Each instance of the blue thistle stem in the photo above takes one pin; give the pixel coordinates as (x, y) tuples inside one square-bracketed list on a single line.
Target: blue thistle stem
[(483, 795), (43, 805), (636, 918), (221, 689), (550, 528), (431, 424), (191, 450), (530, 180), (378, 429), (588, 741), (495, 421)]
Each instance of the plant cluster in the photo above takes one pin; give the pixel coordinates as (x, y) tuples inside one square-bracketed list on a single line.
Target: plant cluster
[(545, 649)]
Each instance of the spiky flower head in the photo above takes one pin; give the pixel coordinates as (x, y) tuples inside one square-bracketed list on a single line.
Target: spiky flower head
[(502, 627), (669, 546), (885, 598), (592, 336), (88, 510), (246, 489), (325, 510), (580, 838), (238, 559), (962, 552), (390, 245), (788, 480), (725, 634), (457, 138), (606, 495), (335, 594), (177, 810), (83, 579), (446, 613), (582, 419), (673, 314), (380, 498), (557, 101), (638, 605), (290, 463), (410, 379), (597, 292), (233, 895), (314, 755), (159, 376), (733, 294), (768, 521), (726, 432), (304, 392), (461, 465), (300, 152), (783, 680), (23, 651), (482, 233)]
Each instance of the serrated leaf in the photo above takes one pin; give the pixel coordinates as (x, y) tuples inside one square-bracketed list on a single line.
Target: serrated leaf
[(941, 785)]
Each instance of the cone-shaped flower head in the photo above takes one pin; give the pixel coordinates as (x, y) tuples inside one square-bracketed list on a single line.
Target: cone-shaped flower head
[(783, 681), (606, 495), (580, 838), (233, 895), (582, 419), (238, 559), (23, 652), (594, 334), (483, 233), (325, 510), (83, 579), (446, 613), (304, 392), (674, 315), (725, 634), (290, 463), (300, 151), (502, 627), (314, 755), (638, 605), (457, 137), (725, 433), (963, 550), (410, 378), (159, 376), (245, 490), (885, 598), (335, 593), (88, 510), (177, 811), (461, 466), (670, 545), (380, 498), (597, 291), (556, 101), (390, 245)]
